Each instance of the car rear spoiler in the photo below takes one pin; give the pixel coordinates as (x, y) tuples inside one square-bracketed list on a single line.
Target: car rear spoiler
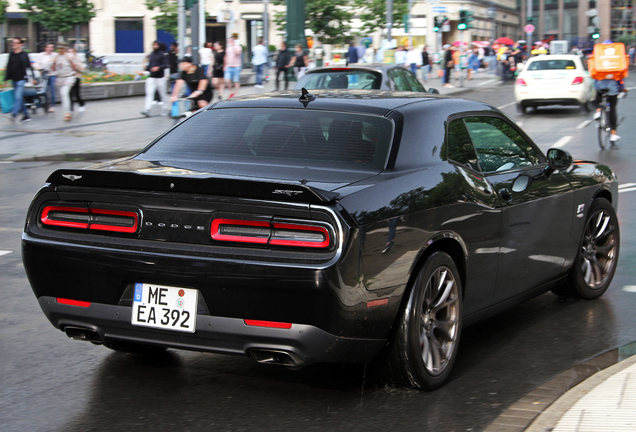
[(198, 185)]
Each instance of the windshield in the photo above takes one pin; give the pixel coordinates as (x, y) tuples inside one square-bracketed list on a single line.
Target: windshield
[(551, 65), (342, 79), (268, 135)]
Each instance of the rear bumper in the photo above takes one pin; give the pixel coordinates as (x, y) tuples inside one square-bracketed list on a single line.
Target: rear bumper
[(214, 334), (555, 101)]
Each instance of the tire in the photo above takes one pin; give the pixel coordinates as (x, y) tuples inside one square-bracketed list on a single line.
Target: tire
[(597, 256), (426, 336), (134, 348), (586, 106), (521, 108), (603, 138)]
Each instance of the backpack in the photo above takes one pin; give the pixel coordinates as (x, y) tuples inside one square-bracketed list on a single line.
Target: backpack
[(609, 62)]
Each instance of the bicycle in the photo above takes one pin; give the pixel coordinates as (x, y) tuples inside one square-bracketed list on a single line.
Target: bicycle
[(603, 126)]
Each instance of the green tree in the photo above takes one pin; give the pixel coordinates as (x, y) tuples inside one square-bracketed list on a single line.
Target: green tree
[(372, 13), (59, 15), (166, 19), (4, 4), (327, 19)]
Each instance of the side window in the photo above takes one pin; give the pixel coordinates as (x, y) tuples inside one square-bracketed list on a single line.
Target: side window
[(499, 146), (399, 80), (460, 147), (413, 82)]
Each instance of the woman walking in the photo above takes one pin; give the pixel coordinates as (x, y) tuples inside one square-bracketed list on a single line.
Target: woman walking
[(218, 62), (299, 61), (65, 70), (75, 90)]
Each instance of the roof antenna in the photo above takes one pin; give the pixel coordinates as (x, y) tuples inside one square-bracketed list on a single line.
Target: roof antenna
[(306, 97)]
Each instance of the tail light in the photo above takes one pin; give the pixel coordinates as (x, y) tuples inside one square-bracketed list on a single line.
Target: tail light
[(90, 218), (272, 233), (577, 80), (521, 82)]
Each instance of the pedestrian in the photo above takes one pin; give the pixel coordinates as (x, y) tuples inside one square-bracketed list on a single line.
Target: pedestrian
[(362, 50), (66, 70), (205, 57), (192, 75), (173, 63), (43, 63), (16, 71), (232, 68), (259, 60), (283, 61), (413, 59), (299, 61), (456, 61), (352, 53), (217, 68), (75, 90), (505, 59), (490, 59), (156, 81), (426, 64), (400, 55), (448, 65), (473, 60)]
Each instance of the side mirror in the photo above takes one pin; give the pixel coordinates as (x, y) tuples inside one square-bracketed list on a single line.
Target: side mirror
[(558, 160), (432, 91)]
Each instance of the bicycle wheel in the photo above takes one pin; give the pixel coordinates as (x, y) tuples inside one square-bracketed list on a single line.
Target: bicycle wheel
[(603, 130)]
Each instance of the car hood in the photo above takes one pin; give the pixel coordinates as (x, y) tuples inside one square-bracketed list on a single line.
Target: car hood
[(235, 179)]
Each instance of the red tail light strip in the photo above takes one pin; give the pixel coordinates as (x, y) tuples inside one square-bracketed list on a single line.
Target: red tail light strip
[(274, 233), (272, 324), (73, 302), (577, 80), (56, 215)]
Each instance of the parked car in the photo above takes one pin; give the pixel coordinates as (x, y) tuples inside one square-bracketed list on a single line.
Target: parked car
[(342, 226), (362, 77), (554, 80)]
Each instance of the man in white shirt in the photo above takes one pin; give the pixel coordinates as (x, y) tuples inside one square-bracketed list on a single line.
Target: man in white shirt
[(413, 59), (205, 57), (400, 55), (259, 60), (43, 63)]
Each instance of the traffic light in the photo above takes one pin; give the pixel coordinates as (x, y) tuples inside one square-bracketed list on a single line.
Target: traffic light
[(439, 20), (531, 20), (596, 34), (465, 17)]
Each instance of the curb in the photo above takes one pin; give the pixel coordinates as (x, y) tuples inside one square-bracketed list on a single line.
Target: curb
[(542, 408)]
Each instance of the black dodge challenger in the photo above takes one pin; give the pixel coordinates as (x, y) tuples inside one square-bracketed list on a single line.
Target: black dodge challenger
[(338, 226)]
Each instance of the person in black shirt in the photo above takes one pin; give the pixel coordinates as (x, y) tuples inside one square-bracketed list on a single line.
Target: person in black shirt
[(216, 71), (282, 64), (156, 82), (426, 64), (193, 76), (17, 72)]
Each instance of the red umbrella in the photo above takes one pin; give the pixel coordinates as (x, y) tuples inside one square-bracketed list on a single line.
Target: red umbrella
[(482, 44), (505, 41)]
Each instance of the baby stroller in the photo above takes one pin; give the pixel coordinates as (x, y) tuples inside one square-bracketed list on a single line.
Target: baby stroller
[(35, 92)]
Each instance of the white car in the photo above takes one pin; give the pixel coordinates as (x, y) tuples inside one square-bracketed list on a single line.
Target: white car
[(554, 80)]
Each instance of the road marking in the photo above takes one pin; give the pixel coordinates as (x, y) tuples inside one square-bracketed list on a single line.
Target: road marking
[(626, 185), (487, 82), (585, 123), (6, 161), (563, 141), (506, 105), (632, 189), (4, 252), (629, 288)]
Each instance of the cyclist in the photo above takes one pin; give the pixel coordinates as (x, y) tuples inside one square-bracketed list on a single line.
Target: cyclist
[(611, 88)]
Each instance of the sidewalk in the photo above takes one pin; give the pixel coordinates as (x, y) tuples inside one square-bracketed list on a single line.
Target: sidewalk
[(114, 128)]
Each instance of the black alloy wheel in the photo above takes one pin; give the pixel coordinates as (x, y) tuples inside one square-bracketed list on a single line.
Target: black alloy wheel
[(597, 257), (426, 337)]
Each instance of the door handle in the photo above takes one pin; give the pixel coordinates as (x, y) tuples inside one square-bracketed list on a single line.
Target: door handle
[(506, 195)]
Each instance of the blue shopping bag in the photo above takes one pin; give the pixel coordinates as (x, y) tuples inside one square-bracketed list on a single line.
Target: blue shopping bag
[(7, 100), (174, 112)]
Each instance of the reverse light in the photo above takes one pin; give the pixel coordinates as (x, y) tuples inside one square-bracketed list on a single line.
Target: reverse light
[(577, 80), (521, 82), (272, 233), (271, 324), (90, 218)]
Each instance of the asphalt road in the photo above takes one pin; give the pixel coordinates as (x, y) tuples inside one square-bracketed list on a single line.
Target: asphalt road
[(51, 383)]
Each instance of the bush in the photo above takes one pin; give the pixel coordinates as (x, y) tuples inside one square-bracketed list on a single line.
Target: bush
[(95, 77)]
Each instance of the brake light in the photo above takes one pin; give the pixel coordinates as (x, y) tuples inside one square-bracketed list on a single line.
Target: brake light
[(272, 324), (90, 218), (73, 302), (272, 233), (521, 82), (577, 80)]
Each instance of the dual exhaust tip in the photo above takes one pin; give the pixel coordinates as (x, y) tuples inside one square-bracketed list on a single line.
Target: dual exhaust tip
[(261, 355)]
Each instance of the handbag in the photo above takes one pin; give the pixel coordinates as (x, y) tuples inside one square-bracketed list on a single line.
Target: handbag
[(7, 99)]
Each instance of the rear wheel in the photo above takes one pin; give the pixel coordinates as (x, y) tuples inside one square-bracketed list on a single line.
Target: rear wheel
[(586, 106), (426, 338), (597, 257), (603, 130)]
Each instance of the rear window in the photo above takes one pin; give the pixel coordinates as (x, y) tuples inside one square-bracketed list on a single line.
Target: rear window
[(261, 135), (551, 65), (346, 79)]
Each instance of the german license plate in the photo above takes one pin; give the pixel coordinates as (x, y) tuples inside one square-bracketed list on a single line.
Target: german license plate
[(165, 307)]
